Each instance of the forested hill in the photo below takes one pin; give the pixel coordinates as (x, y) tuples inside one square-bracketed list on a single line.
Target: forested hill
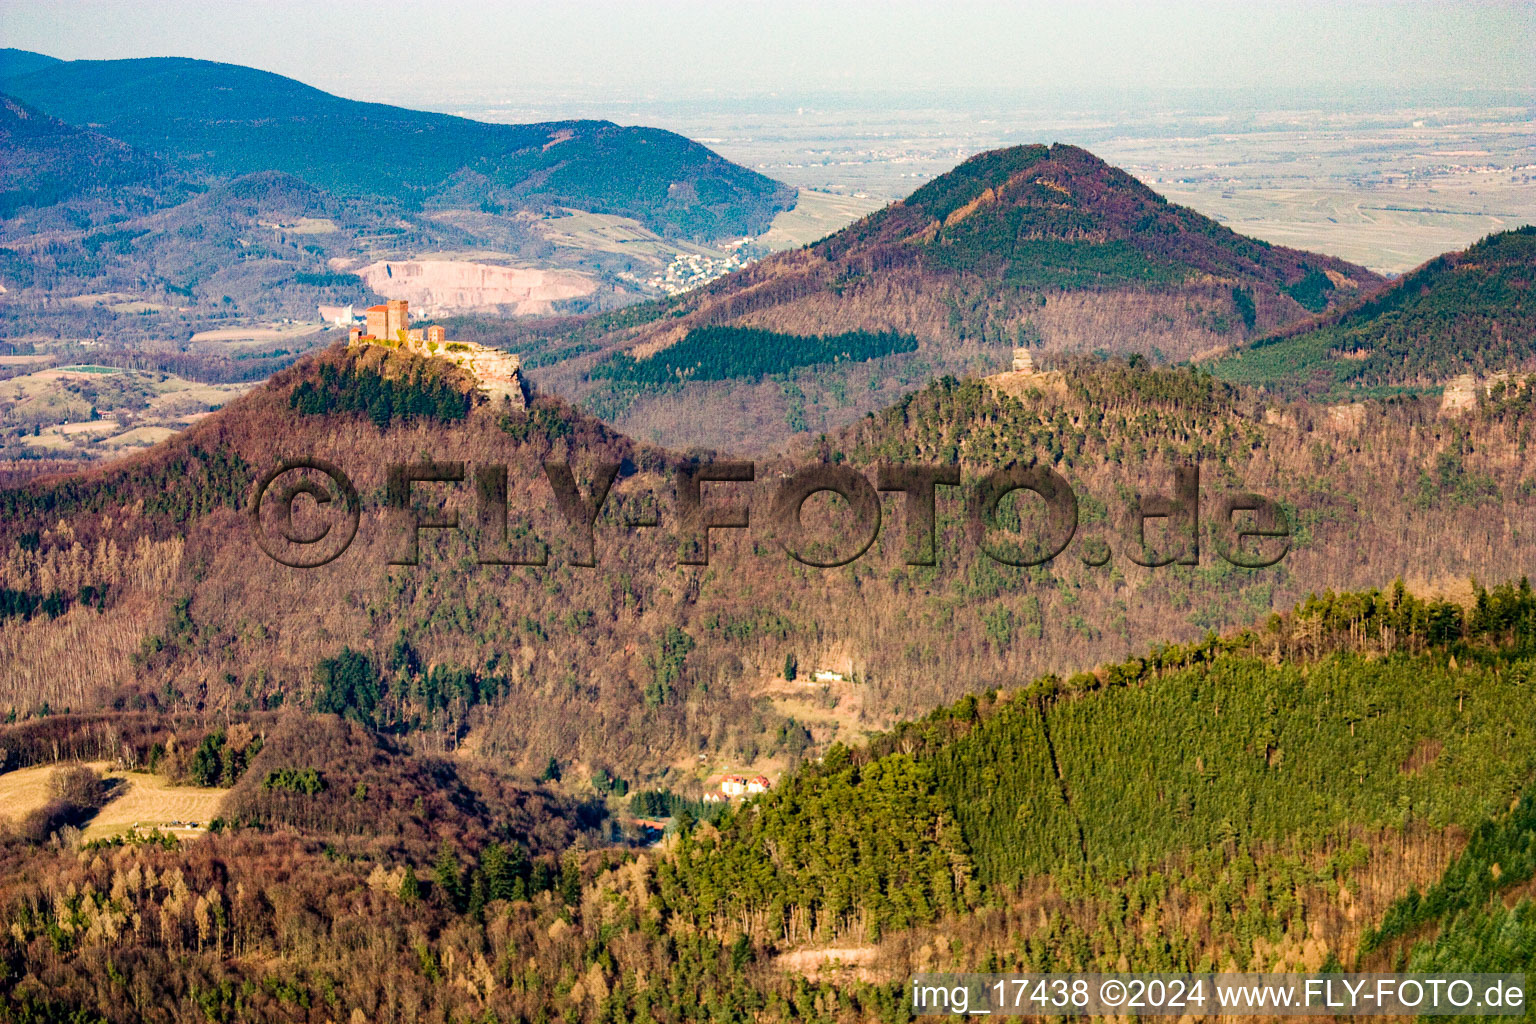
[(1183, 747), (1060, 217), (1046, 247), (48, 161), (1341, 787), (225, 120), (151, 569), (1081, 808), (1463, 312)]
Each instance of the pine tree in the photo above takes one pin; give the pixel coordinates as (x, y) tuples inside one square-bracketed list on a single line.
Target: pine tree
[(479, 895), (570, 878), (446, 877), (410, 887)]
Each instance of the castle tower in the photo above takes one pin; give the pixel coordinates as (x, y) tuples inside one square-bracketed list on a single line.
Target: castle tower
[(397, 318), (437, 333), (1022, 361), (378, 322)]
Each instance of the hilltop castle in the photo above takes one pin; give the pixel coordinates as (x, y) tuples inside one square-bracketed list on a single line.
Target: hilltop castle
[(388, 320), (498, 373)]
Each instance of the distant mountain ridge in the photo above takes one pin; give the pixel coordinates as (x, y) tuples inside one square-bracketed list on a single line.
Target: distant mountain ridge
[(48, 161), (21, 62), (227, 120), (115, 177)]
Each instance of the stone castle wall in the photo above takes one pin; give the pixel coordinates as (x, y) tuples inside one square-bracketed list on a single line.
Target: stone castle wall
[(498, 373)]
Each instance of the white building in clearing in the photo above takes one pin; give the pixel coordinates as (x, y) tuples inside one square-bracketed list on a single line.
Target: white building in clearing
[(740, 785), (340, 316), (824, 675)]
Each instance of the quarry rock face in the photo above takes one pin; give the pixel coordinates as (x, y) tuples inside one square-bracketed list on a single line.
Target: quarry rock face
[(437, 286)]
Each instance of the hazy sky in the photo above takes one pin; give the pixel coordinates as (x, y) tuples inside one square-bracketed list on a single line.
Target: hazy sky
[(444, 53)]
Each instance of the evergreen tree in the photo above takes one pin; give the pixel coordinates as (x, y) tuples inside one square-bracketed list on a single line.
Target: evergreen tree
[(570, 878), (446, 877), (410, 887)]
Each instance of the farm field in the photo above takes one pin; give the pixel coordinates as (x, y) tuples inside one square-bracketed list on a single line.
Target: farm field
[(603, 232), (304, 226), (96, 411), (141, 799), (23, 791), (151, 801), (815, 216), (99, 298), (37, 359), (260, 333), (1390, 228)]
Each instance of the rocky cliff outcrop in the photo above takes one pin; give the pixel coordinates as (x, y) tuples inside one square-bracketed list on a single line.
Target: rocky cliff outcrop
[(499, 373)]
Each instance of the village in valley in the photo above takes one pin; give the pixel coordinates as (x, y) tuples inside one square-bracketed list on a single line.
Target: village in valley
[(690, 270)]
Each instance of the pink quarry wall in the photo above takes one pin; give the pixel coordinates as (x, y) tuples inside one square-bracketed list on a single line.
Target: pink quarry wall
[(439, 285)]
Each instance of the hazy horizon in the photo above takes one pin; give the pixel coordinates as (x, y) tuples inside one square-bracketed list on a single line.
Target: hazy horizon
[(587, 58), (1382, 132)]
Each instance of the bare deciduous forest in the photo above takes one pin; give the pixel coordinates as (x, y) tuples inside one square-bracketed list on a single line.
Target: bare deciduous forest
[(818, 900), (471, 768)]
